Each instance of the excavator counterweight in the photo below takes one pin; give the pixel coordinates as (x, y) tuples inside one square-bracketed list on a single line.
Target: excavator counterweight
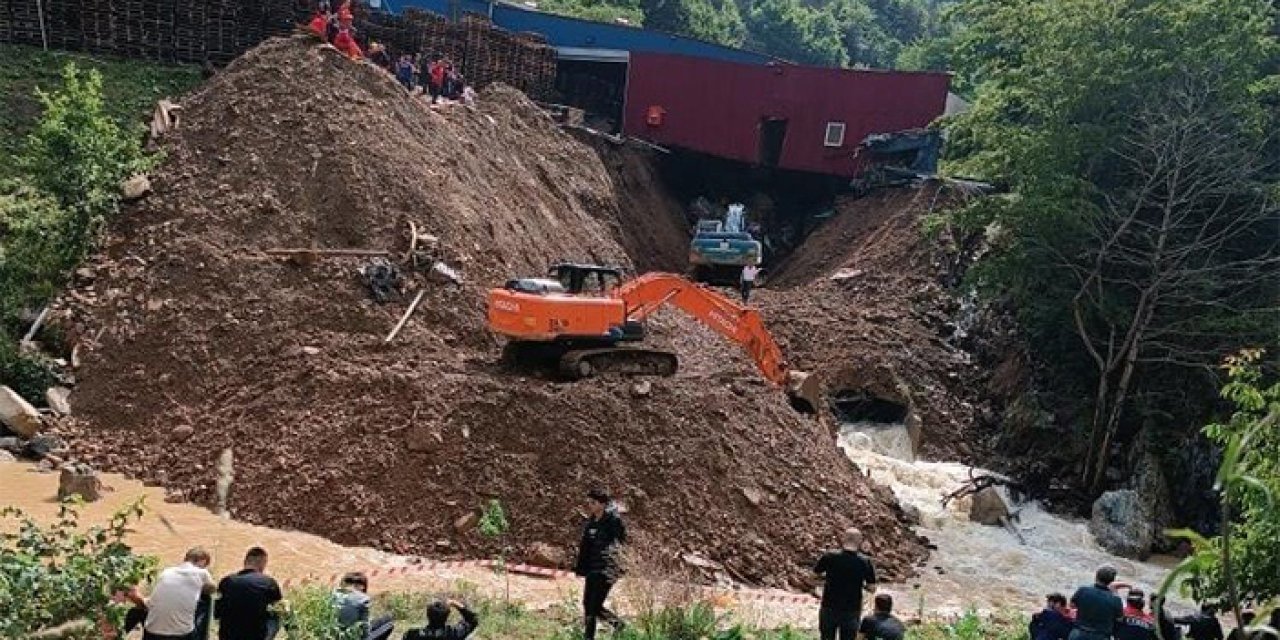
[(584, 316)]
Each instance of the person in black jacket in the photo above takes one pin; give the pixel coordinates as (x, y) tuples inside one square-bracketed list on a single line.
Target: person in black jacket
[(602, 538), (1203, 625), (1054, 622), (438, 627)]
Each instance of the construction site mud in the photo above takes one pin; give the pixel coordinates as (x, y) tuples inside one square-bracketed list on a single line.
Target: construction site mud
[(192, 339)]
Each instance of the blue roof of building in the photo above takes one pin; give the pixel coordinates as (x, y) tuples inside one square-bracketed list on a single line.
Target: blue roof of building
[(564, 32)]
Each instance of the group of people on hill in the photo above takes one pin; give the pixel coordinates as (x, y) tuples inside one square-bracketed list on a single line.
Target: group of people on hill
[(438, 76), (1098, 612), (335, 26)]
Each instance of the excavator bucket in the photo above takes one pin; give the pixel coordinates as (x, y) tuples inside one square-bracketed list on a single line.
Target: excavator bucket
[(804, 391)]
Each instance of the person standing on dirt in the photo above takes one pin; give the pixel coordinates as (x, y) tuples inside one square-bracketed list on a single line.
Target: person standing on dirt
[(405, 71), (598, 561), (847, 573), (245, 599), (435, 80), (1098, 608), (747, 281)]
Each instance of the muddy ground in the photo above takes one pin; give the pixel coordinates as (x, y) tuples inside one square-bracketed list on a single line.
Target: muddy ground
[(193, 341)]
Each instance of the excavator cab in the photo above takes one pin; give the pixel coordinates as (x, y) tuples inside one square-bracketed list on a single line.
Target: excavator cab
[(578, 279)]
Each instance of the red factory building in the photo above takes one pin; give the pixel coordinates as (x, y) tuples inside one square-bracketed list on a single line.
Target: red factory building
[(776, 114)]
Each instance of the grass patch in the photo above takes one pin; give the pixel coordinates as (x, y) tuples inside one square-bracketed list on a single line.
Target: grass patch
[(130, 89), (691, 621)]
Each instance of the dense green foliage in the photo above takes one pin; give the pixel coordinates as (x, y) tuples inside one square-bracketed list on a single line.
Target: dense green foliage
[(61, 181), (1243, 562), (1138, 231), (60, 572), (130, 89), (826, 32)]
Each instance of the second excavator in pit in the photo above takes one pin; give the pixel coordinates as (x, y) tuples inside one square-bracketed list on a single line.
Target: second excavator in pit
[(588, 319)]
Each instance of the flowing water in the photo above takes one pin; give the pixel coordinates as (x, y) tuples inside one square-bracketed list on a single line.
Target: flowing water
[(167, 530), (977, 566)]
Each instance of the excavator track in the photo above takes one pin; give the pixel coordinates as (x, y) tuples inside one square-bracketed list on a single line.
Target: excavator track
[(614, 361)]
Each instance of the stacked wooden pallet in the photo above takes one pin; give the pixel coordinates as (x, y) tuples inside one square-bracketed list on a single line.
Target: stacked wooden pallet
[(219, 30)]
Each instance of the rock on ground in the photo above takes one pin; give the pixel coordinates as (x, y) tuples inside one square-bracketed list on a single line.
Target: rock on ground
[(79, 480), (17, 414), (1121, 524)]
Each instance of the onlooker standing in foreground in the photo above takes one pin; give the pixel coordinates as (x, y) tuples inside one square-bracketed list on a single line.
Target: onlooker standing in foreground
[(598, 561), (847, 574)]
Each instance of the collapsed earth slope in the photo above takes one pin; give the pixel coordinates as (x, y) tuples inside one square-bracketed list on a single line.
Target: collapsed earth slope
[(864, 304), (193, 341)]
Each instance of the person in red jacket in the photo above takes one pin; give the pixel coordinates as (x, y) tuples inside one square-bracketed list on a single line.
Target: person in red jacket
[(319, 23), (435, 79)]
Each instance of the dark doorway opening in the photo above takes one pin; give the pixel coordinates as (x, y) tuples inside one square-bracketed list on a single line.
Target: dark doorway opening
[(598, 88), (859, 406), (773, 133)]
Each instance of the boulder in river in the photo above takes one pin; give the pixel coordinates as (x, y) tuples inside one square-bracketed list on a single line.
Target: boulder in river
[(988, 507), (1121, 524), (79, 480)]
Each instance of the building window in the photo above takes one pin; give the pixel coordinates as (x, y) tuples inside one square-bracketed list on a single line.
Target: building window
[(835, 135)]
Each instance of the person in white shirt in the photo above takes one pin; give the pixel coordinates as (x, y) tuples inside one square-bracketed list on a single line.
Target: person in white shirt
[(749, 275), (171, 609)]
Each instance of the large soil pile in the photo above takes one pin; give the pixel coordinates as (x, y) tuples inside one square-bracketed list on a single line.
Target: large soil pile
[(193, 341), (861, 304)]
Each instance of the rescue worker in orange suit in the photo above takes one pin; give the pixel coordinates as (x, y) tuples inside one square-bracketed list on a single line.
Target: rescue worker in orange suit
[(319, 23), (344, 41)]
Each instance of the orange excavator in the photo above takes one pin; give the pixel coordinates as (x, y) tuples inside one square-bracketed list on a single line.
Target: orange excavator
[(586, 317)]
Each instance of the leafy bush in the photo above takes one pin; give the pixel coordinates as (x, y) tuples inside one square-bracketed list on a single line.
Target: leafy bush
[(79, 155), (1242, 563), (310, 615), (28, 375), (54, 574), (72, 165)]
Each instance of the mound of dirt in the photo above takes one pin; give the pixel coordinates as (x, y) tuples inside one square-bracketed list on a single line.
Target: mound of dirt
[(861, 305), (193, 341)]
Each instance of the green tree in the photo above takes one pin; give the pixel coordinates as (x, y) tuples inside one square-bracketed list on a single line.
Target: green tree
[(80, 156), (1136, 246), (60, 573), (791, 30), (598, 10), (712, 20), (1242, 563), (70, 172)]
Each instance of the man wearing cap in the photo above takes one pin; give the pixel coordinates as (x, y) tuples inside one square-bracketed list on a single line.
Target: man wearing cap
[(1054, 622), (1136, 623), (847, 573), (1097, 607), (598, 561)]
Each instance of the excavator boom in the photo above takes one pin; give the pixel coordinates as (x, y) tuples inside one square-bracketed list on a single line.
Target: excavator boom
[(584, 331), (652, 291)]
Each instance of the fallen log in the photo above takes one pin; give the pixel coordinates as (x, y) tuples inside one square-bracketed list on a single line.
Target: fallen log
[(358, 253)]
